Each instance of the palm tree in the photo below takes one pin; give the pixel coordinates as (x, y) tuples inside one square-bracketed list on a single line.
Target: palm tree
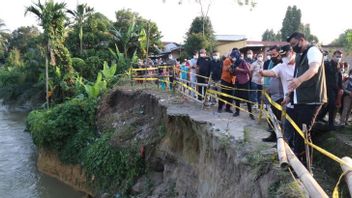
[(81, 13), (51, 17), (2, 31)]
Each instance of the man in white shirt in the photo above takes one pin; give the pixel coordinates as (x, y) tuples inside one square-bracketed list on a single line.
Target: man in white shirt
[(284, 71)]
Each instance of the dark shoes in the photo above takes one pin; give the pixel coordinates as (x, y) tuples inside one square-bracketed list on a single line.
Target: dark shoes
[(251, 117), (228, 111), (219, 110), (271, 138), (236, 114)]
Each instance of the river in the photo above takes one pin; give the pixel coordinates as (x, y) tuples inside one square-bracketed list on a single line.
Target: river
[(19, 177)]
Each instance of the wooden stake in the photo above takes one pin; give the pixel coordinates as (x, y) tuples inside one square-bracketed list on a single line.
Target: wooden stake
[(306, 137)]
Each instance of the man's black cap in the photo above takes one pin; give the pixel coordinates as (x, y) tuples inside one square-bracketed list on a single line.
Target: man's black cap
[(284, 49)]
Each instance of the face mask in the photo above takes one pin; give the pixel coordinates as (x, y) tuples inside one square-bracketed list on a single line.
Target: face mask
[(268, 57), (250, 56), (234, 59), (170, 57), (338, 60), (202, 55), (216, 57), (260, 58), (325, 58), (286, 60), (195, 56), (274, 59), (297, 49)]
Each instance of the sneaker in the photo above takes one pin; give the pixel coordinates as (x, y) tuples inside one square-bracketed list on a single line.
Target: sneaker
[(271, 138), (228, 111), (251, 117), (270, 130), (236, 114)]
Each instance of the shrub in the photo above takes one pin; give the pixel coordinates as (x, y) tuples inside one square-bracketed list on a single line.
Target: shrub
[(110, 168), (53, 128)]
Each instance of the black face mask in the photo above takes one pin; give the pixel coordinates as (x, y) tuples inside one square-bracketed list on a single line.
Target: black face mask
[(274, 59), (297, 48)]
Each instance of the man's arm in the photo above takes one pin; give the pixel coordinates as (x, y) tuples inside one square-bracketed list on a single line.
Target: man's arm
[(267, 73)]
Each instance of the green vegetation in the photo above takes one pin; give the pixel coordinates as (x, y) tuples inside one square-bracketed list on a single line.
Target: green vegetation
[(112, 168), (290, 24), (200, 35)]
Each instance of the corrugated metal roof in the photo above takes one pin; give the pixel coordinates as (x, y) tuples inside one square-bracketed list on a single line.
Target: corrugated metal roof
[(230, 37), (265, 43)]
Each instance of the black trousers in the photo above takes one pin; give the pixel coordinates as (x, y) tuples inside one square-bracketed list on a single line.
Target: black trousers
[(243, 95), (226, 91), (330, 108), (303, 114), (201, 80)]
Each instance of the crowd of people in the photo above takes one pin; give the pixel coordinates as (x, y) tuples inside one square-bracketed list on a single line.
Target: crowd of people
[(299, 76)]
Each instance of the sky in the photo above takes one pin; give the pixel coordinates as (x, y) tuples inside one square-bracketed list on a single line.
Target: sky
[(327, 19)]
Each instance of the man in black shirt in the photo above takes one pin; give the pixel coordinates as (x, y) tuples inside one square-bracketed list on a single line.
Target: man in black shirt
[(203, 70), (333, 84)]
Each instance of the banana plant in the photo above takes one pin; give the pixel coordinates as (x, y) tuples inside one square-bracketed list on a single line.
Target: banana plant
[(100, 85), (109, 72)]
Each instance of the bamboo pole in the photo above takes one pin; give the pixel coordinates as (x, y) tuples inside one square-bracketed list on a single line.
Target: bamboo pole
[(280, 141), (306, 146), (348, 176), (312, 186)]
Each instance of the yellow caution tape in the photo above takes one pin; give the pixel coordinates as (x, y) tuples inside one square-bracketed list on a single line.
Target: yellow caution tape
[(300, 132), (230, 96), (335, 193), (224, 101), (145, 78), (188, 87), (234, 88), (192, 73)]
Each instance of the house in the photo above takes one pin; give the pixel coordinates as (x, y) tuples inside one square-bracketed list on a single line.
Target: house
[(261, 46), (172, 48), (225, 43)]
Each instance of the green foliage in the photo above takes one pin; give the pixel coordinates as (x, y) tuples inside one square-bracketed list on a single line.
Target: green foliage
[(270, 35), (111, 168), (100, 85), (14, 58), (200, 35), (23, 38), (123, 63), (344, 40), (53, 128), (291, 22), (195, 41), (124, 19), (109, 72)]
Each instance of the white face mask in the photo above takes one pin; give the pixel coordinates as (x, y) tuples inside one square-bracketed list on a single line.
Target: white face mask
[(202, 55), (250, 56), (268, 57), (195, 56), (216, 57), (326, 58), (260, 58)]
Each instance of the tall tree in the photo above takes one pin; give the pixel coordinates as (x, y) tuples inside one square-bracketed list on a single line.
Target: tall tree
[(291, 22), (124, 20), (52, 18), (82, 12), (208, 39), (269, 35)]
